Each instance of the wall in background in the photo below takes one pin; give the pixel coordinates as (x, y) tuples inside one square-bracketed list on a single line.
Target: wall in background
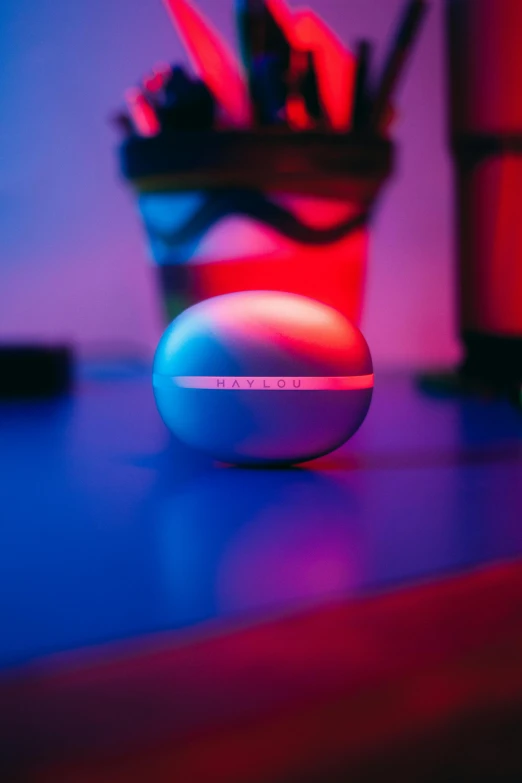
[(71, 249)]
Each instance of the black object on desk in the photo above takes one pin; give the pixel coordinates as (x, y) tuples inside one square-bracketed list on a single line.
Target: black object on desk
[(32, 371)]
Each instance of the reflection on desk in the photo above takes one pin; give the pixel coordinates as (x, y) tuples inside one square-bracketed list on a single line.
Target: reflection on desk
[(111, 529)]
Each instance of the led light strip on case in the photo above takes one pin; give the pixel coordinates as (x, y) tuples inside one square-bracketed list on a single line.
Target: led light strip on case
[(265, 383)]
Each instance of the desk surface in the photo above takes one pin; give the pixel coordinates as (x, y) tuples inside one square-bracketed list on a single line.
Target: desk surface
[(111, 529)]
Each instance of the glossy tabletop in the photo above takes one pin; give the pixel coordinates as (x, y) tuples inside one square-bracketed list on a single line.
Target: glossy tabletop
[(111, 529)]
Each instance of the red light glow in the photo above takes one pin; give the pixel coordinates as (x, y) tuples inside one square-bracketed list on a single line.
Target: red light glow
[(340, 285), (298, 326)]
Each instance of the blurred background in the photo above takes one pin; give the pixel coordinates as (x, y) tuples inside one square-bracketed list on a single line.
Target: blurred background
[(71, 247), (165, 616)]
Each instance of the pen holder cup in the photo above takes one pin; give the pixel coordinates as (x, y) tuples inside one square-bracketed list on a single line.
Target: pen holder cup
[(226, 212)]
